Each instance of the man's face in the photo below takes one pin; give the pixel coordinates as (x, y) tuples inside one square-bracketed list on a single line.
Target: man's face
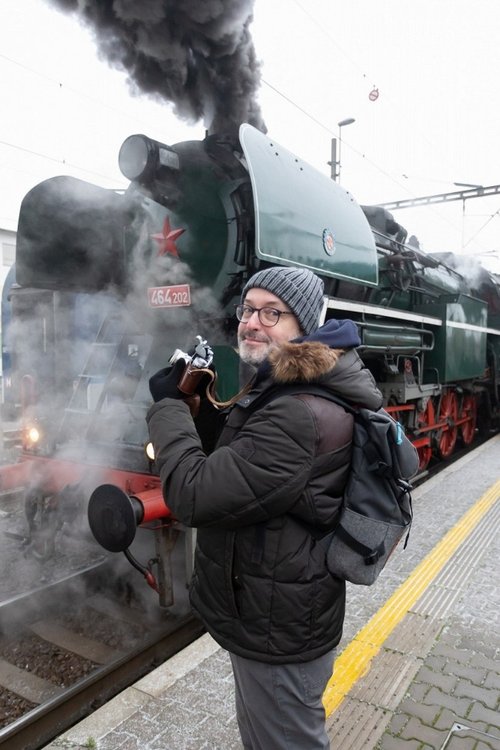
[(256, 340)]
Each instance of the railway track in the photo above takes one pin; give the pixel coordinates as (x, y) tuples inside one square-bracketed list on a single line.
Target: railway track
[(105, 642)]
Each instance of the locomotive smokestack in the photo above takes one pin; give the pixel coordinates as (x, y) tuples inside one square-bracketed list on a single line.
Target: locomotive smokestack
[(198, 55)]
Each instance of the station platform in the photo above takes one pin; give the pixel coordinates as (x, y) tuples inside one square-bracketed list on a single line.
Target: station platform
[(418, 667)]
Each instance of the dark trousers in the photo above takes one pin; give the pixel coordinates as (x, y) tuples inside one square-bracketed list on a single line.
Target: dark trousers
[(279, 706)]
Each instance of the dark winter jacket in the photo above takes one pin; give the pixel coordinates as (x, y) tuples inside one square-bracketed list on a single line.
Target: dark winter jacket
[(263, 500)]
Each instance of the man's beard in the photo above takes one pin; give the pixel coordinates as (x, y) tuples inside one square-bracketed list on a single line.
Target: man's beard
[(251, 356)]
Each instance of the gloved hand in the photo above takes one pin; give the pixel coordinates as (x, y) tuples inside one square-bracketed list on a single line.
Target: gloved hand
[(199, 382), (163, 384)]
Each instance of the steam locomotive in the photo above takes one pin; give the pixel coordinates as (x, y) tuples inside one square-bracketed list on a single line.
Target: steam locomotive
[(108, 283)]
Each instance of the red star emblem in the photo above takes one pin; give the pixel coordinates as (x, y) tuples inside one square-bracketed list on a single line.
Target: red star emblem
[(166, 240)]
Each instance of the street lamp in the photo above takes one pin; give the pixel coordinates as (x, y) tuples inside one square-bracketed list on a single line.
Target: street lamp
[(335, 163)]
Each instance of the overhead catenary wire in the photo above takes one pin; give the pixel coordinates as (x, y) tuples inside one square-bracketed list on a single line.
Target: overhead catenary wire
[(324, 30), (59, 83), (387, 98), (64, 86), (76, 92), (490, 218), (98, 102), (56, 160)]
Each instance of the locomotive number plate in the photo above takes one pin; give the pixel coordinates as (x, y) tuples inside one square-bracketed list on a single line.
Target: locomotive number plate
[(169, 296)]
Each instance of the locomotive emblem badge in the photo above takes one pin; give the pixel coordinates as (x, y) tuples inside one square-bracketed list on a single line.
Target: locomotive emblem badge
[(166, 239), (328, 242)]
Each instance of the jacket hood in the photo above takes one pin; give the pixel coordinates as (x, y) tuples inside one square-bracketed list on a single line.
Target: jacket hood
[(337, 334), (310, 357)]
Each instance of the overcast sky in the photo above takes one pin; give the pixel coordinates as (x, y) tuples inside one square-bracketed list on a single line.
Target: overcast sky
[(436, 121)]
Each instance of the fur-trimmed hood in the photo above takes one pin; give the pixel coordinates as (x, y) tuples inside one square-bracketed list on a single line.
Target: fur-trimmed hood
[(302, 362), (310, 357), (327, 356)]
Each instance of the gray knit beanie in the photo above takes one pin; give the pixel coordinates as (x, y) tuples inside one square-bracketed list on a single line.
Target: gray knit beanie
[(299, 288)]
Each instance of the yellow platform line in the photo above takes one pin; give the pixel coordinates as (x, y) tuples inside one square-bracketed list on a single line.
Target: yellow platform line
[(356, 658)]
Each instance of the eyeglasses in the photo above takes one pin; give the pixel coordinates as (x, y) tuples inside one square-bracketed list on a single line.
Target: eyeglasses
[(268, 316)]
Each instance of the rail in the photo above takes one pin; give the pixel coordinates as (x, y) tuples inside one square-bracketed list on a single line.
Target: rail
[(66, 706)]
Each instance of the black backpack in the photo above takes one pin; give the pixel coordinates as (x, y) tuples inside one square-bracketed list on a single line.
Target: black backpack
[(377, 507)]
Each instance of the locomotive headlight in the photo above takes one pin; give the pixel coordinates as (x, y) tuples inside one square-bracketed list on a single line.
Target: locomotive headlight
[(141, 158), (150, 451), (134, 156), (32, 436)]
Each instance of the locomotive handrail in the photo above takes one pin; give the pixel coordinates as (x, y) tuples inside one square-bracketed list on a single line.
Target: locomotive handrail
[(423, 258), (388, 348)]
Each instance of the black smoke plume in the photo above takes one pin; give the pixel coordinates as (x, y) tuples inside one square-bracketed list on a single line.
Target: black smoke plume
[(197, 54)]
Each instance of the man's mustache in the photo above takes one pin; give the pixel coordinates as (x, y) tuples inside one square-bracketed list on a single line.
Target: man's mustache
[(255, 337)]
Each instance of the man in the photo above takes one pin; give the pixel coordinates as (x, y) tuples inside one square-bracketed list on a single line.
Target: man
[(264, 499)]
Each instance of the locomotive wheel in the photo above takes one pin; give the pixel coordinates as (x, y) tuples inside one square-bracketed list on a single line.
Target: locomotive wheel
[(425, 418), (424, 457), (448, 411), (469, 411)]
